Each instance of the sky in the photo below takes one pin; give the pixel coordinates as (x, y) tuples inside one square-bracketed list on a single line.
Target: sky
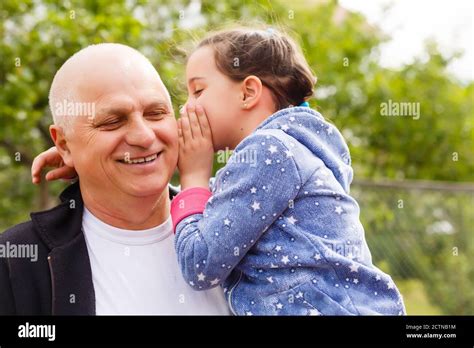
[(411, 22)]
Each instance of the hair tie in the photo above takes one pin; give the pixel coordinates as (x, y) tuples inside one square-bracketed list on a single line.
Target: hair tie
[(304, 104)]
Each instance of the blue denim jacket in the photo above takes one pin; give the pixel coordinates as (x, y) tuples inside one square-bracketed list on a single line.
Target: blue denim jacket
[(281, 233)]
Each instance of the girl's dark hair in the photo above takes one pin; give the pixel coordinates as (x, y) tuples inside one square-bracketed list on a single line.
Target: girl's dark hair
[(271, 56)]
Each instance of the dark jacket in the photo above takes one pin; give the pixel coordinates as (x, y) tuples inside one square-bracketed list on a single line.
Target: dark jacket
[(59, 282)]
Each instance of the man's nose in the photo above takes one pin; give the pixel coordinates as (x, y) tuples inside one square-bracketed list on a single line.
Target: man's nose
[(140, 133)]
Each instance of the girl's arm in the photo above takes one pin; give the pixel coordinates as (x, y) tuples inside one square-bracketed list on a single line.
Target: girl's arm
[(214, 233)]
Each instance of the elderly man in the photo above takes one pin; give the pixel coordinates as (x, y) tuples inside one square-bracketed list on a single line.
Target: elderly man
[(108, 247)]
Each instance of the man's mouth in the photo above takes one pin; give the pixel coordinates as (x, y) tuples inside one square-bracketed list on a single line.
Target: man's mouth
[(140, 160)]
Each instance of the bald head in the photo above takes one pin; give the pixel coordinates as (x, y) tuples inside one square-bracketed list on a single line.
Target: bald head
[(93, 72)]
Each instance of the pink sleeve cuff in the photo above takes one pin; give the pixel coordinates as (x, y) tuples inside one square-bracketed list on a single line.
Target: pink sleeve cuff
[(188, 202)]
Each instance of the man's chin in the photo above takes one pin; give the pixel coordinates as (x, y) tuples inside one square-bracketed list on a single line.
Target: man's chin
[(141, 186), (143, 190)]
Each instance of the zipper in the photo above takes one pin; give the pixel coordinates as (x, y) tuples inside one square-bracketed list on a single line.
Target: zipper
[(52, 283), (230, 294)]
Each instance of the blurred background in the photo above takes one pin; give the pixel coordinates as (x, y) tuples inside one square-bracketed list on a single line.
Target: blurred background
[(414, 176)]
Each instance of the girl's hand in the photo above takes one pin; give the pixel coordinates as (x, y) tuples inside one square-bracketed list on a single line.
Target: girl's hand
[(51, 158), (196, 152)]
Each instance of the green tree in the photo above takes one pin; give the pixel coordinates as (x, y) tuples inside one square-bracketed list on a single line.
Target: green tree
[(341, 47)]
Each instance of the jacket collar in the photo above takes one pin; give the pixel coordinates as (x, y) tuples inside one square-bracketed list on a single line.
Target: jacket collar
[(60, 225), (60, 228)]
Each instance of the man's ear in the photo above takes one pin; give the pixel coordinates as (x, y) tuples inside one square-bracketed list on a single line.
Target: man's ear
[(251, 91), (59, 139)]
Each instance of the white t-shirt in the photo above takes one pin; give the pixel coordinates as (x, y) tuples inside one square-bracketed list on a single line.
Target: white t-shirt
[(137, 272)]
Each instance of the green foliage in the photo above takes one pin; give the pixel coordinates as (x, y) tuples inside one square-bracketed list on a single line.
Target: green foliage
[(342, 49), (424, 235)]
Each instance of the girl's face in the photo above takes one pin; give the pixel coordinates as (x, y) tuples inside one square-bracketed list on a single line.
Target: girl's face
[(218, 94)]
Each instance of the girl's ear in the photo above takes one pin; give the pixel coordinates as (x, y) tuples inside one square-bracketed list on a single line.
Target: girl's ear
[(60, 141), (251, 91)]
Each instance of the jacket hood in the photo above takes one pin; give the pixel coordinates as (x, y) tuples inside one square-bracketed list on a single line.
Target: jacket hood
[(309, 128)]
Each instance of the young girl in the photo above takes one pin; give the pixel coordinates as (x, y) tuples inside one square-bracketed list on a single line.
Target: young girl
[(278, 229)]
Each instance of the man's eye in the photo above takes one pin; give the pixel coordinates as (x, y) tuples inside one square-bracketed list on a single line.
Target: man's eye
[(155, 114), (110, 124)]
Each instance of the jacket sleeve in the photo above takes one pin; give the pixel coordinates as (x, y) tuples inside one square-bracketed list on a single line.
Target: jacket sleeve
[(250, 193), (7, 304)]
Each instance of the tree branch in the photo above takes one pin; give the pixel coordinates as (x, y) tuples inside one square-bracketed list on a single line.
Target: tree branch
[(11, 148), (45, 133)]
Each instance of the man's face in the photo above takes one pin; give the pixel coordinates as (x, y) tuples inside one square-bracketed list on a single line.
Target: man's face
[(131, 144)]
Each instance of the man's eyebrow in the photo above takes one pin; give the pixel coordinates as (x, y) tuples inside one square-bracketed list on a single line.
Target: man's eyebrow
[(124, 110), (195, 78), (157, 104), (116, 110)]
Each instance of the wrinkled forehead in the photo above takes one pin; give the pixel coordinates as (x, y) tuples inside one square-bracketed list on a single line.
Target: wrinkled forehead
[(130, 76)]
